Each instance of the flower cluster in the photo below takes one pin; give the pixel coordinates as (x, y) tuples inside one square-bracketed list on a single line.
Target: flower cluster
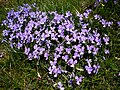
[(103, 21), (66, 41), (104, 1)]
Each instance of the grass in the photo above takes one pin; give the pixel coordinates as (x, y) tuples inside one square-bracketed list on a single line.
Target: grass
[(20, 74)]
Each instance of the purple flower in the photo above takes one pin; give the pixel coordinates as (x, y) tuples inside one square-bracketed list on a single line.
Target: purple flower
[(76, 47), (27, 50), (119, 74), (96, 68), (118, 23), (98, 0), (98, 17), (83, 38), (60, 49), (19, 45), (106, 40), (107, 51), (105, 1), (91, 38), (69, 26), (46, 55), (41, 50), (98, 40), (76, 55), (51, 68), (89, 48), (32, 14), (82, 50), (80, 16), (68, 14), (72, 62), (60, 28), (88, 10), (65, 58), (89, 69), (79, 79), (35, 54), (35, 47), (68, 50), (56, 56), (68, 39), (89, 61), (109, 23), (11, 37), (115, 1), (53, 63), (30, 56), (95, 51), (55, 70), (103, 22), (58, 18), (4, 22), (60, 86), (43, 20), (84, 26), (5, 32), (75, 37), (12, 45), (70, 82), (86, 14)]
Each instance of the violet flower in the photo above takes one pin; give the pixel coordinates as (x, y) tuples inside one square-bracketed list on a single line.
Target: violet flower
[(107, 51), (118, 23), (89, 69), (65, 58), (68, 50), (60, 86), (96, 68), (106, 40), (72, 62), (79, 79)]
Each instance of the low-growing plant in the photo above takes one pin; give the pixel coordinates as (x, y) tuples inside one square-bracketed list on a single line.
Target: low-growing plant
[(72, 45)]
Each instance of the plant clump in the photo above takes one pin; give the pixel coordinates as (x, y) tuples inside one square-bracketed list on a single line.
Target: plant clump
[(73, 45)]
